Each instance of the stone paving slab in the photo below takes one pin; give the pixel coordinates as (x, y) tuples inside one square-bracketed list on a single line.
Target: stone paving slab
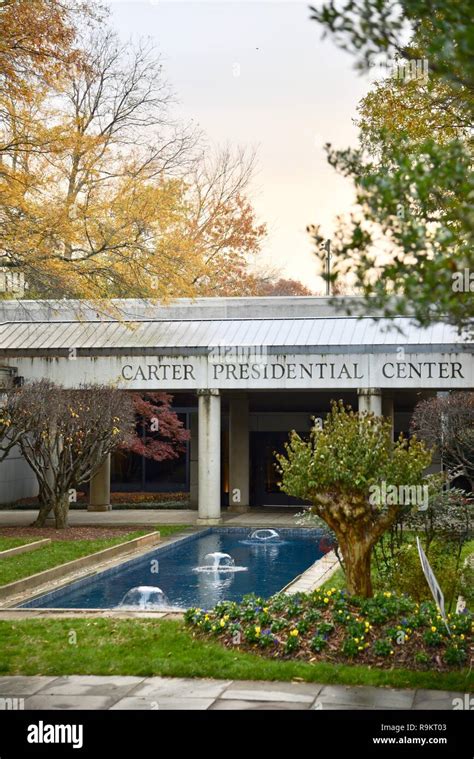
[(163, 704), (127, 692), (317, 574), (90, 685), (94, 703), (228, 704), (19, 685), (366, 695), (177, 687), (16, 518), (121, 517), (272, 691), (435, 699)]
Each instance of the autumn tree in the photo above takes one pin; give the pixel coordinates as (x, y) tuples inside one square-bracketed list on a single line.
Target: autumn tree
[(37, 41), (411, 234), (117, 198), (160, 434), (280, 286), (447, 424), (335, 470), (65, 435)]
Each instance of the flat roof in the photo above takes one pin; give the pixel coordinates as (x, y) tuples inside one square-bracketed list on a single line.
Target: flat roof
[(286, 324)]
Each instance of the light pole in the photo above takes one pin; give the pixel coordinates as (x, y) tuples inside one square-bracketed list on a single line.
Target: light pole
[(327, 247), (313, 230)]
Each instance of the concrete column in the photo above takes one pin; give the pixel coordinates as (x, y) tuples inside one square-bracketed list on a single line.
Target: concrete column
[(370, 400), (209, 465), (193, 461), (239, 454), (99, 494), (387, 411)]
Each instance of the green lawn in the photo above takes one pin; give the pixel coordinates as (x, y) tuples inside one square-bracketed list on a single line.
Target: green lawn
[(148, 647), (6, 543), (61, 551)]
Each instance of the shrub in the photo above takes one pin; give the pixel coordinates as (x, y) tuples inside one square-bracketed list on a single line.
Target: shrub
[(455, 654), (318, 643), (383, 647), (406, 574)]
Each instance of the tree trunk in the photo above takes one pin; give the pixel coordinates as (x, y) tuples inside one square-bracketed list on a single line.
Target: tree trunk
[(357, 554), (61, 511), (43, 513), (45, 507)]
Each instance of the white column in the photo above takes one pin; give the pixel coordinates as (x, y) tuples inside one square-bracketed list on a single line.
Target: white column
[(99, 494), (239, 454), (370, 399), (209, 465)]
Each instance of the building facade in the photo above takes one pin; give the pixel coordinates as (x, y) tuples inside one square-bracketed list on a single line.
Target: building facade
[(243, 373)]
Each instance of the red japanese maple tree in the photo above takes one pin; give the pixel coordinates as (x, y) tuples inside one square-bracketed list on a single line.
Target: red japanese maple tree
[(160, 434)]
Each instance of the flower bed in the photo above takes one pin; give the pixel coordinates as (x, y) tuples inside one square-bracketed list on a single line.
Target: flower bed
[(118, 500), (384, 631)]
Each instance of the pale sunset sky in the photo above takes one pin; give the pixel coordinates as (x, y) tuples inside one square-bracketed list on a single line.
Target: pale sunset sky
[(256, 73)]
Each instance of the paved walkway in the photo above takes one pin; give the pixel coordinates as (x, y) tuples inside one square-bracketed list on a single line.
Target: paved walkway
[(261, 518), (95, 692)]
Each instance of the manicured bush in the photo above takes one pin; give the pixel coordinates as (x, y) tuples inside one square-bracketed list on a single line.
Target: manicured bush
[(339, 468)]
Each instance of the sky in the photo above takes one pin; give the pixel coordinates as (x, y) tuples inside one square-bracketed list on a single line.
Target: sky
[(256, 73)]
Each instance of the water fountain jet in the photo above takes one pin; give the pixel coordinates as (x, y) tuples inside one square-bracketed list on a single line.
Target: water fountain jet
[(144, 597)]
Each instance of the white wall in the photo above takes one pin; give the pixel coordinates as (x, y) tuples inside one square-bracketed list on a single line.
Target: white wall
[(17, 480)]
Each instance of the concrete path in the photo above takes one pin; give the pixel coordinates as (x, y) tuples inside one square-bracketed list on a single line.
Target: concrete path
[(95, 692), (254, 518)]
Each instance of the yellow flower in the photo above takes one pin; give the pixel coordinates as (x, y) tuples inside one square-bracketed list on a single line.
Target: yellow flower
[(294, 633), (462, 637), (433, 629), (265, 609), (356, 640), (387, 594), (360, 648), (206, 617), (326, 600), (222, 623), (257, 630)]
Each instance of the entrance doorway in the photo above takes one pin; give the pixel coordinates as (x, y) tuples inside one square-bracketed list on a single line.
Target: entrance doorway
[(264, 490)]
